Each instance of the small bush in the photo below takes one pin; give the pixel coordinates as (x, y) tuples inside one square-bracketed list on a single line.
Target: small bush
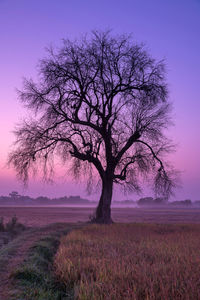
[(30, 274), (13, 226), (2, 227)]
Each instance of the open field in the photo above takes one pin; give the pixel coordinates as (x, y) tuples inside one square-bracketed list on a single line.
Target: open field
[(156, 257), (131, 262), (40, 216)]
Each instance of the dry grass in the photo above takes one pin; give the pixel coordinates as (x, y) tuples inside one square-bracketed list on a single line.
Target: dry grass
[(131, 261)]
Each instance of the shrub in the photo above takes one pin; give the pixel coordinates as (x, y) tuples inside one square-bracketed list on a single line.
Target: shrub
[(2, 227), (13, 226)]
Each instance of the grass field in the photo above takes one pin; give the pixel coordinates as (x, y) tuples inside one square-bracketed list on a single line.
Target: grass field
[(152, 255), (131, 261)]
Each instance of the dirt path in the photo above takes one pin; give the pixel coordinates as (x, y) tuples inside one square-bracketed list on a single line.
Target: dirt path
[(22, 244)]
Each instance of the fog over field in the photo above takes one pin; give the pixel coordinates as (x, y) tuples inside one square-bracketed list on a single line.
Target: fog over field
[(41, 216)]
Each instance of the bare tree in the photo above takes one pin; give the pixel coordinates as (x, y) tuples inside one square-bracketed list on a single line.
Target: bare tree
[(101, 102)]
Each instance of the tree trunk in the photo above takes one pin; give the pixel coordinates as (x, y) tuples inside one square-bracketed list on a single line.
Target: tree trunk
[(103, 211)]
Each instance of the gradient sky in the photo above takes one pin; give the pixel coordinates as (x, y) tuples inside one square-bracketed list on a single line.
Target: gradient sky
[(170, 29)]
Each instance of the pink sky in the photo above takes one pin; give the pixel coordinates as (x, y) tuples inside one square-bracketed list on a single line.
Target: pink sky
[(170, 30)]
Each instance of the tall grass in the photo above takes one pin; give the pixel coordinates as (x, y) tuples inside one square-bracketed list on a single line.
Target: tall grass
[(131, 261)]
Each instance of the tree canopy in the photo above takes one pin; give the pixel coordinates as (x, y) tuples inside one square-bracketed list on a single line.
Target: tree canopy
[(101, 102)]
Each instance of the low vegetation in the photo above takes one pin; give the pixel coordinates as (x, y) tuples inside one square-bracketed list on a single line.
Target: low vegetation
[(34, 279), (131, 261), (7, 252), (10, 230), (11, 226)]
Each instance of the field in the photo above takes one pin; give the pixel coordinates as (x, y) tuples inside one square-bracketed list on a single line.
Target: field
[(41, 216), (131, 262), (152, 255)]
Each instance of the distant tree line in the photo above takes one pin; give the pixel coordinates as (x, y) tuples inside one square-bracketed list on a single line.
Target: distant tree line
[(15, 198), (149, 201)]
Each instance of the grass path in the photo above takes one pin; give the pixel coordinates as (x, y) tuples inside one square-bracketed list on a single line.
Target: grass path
[(13, 254)]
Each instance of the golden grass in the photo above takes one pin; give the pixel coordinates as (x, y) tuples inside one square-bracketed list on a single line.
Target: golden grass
[(131, 261)]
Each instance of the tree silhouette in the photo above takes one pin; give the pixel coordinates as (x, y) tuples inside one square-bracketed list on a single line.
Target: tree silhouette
[(101, 102)]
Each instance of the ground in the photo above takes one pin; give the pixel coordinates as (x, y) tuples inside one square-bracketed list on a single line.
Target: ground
[(13, 254), (41, 216), (38, 220)]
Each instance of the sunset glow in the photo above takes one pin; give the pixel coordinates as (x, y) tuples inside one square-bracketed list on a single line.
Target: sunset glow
[(170, 31)]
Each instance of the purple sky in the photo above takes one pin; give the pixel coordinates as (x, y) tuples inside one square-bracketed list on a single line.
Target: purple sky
[(170, 29)]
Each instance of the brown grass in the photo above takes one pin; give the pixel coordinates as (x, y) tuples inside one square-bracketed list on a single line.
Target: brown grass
[(131, 261)]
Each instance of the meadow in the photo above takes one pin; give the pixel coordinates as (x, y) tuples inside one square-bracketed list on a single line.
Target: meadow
[(131, 261), (147, 254)]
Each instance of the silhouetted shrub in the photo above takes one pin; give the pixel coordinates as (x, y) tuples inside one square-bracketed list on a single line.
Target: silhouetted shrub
[(11, 225), (2, 227)]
